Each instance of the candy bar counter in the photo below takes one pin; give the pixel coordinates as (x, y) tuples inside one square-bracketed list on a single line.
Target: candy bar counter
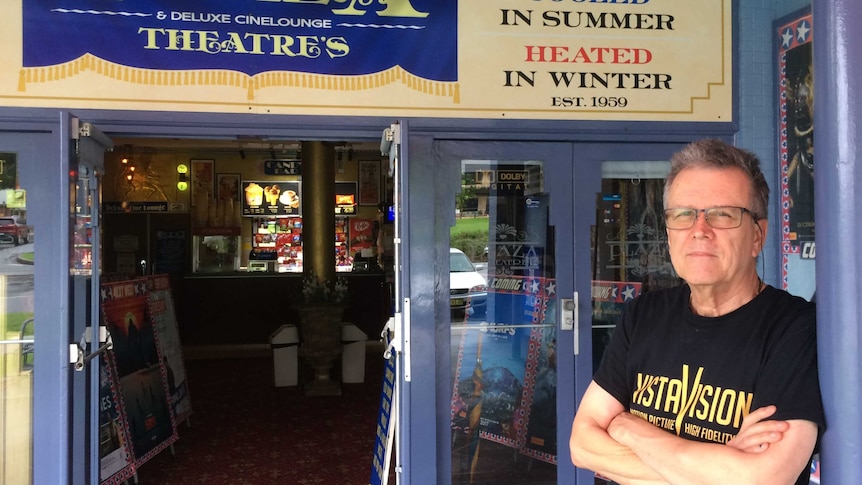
[(244, 308)]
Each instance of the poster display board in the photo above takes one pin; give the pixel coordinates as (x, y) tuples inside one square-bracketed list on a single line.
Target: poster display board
[(161, 305), (795, 99), (138, 381), (796, 144), (386, 418), (116, 463), (170, 251)]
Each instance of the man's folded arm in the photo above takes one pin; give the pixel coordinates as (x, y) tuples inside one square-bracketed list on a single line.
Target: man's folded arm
[(592, 448), (681, 461)]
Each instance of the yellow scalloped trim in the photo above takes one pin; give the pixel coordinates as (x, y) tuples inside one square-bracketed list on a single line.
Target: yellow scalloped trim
[(154, 77)]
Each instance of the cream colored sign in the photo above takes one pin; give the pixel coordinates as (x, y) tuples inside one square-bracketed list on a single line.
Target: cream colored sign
[(625, 60)]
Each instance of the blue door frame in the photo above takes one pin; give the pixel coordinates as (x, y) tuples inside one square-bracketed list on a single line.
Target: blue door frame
[(44, 133)]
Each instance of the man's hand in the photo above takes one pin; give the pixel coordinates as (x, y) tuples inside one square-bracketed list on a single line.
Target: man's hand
[(757, 433)]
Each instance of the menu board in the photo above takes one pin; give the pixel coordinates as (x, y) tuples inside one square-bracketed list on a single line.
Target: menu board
[(272, 199), (267, 199), (345, 198)]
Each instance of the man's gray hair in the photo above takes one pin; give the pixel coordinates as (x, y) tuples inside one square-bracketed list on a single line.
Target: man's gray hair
[(713, 153)]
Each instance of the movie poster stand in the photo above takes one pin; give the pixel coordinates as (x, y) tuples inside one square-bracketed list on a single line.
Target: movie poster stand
[(139, 418), (161, 305)]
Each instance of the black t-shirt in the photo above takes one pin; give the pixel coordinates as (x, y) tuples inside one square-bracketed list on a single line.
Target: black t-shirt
[(697, 377)]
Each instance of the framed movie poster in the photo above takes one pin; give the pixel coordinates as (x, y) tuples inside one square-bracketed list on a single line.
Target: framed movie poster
[(796, 129), (227, 186), (202, 179), (136, 368), (369, 182)]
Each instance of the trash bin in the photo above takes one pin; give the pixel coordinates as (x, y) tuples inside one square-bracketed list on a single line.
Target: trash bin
[(353, 354), (285, 355)]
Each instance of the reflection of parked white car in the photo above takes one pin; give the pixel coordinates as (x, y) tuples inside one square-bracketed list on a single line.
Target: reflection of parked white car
[(467, 288)]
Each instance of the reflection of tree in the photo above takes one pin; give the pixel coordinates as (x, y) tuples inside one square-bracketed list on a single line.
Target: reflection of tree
[(467, 194)]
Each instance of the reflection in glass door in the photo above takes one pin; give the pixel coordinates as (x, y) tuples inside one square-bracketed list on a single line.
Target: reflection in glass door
[(97, 454), (503, 327), (16, 326), (629, 243)]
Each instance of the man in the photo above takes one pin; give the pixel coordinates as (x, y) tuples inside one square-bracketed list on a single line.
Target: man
[(714, 381)]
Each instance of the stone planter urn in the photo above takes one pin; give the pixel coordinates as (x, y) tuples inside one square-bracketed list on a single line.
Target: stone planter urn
[(320, 345)]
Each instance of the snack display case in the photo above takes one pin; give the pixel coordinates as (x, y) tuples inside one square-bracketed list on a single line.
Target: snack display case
[(276, 245), (343, 258)]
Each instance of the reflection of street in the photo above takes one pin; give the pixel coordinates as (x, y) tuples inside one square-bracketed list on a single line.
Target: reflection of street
[(19, 278)]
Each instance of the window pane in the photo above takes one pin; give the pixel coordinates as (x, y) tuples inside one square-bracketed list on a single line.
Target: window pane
[(16, 327), (503, 329)]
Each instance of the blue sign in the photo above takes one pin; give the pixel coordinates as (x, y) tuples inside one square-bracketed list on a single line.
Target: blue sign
[(349, 38), (385, 426)]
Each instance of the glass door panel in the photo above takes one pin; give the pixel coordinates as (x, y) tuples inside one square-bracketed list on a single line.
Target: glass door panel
[(629, 246), (17, 341), (502, 279), (96, 453)]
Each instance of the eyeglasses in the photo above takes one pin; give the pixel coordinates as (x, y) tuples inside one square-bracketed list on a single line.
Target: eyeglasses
[(727, 217)]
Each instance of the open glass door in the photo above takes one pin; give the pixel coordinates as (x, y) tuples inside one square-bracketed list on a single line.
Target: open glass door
[(510, 278), (96, 450)]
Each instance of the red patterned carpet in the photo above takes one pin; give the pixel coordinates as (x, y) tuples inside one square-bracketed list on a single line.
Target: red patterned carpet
[(245, 431)]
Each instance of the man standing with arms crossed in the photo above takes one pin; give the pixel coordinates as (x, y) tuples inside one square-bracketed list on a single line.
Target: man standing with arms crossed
[(714, 381)]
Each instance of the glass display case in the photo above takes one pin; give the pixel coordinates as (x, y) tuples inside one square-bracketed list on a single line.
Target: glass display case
[(216, 253), (277, 244)]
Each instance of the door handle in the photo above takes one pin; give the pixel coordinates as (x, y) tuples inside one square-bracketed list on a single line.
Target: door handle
[(78, 351), (569, 318)]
